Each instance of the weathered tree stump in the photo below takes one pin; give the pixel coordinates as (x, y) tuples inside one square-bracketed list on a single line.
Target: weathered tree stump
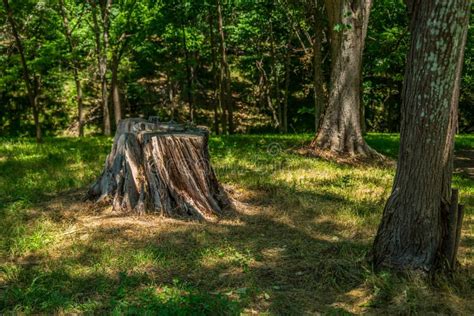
[(161, 168)]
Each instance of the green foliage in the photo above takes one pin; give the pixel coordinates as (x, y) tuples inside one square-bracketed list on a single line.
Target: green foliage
[(157, 41), (168, 52)]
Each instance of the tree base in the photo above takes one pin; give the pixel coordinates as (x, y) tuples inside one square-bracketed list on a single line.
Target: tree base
[(390, 252), (351, 147), (161, 168)]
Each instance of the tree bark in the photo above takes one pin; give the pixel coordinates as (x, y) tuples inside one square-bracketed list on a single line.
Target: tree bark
[(75, 64), (101, 52), (116, 88), (189, 79), (118, 49), (160, 168), (214, 72), (225, 98), (417, 227), (276, 80), (341, 131), (319, 81), (287, 85), (31, 87)]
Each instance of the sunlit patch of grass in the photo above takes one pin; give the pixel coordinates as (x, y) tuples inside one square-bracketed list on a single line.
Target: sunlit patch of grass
[(226, 254), (298, 243), (32, 239)]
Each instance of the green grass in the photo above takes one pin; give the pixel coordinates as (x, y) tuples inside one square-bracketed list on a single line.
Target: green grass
[(297, 244)]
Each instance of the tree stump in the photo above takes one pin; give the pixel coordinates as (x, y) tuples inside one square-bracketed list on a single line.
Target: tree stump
[(161, 168)]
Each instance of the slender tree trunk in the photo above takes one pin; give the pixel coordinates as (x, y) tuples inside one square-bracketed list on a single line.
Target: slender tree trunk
[(106, 23), (36, 114), (101, 52), (80, 118), (276, 80), (116, 88), (265, 92), (118, 49), (319, 81), (421, 220), (213, 71), (189, 80), (225, 91), (31, 88), (287, 85), (75, 64), (341, 131), (230, 102)]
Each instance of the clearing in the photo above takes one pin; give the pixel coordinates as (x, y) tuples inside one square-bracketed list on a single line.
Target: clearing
[(297, 244)]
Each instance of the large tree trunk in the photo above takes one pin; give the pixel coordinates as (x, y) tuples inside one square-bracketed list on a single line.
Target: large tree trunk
[(160, 168), (31, 88), (341, 129), (75, 64), (421, 223)]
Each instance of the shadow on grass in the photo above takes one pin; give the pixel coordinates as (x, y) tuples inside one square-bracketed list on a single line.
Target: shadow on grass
[(288, 250), (123, 293), (252, 260), (283, 269)]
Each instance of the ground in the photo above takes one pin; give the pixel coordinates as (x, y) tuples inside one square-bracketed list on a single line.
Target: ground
[(297, 242)]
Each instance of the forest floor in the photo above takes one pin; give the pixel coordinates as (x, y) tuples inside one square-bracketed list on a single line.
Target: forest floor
[(297, 243)]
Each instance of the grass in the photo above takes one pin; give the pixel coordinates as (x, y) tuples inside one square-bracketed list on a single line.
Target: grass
[(297, 244)]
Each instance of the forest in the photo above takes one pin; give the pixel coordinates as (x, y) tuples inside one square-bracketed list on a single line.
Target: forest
[(274, 157)]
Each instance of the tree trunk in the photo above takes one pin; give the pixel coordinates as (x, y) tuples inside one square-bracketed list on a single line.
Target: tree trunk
[(101, 52), (75, 64), (103, 64), (36, 114), (341, 130), (319, 81), (213, 71), (287, 85), (115, 88), (189, 80), (276, 81), (265, 92), (160, 168), (225, 91), (421, 221), (31, 88)]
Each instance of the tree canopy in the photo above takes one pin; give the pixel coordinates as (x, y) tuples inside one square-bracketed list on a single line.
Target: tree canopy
[(164, 58)]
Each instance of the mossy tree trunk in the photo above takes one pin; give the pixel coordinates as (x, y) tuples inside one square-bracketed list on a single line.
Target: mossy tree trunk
[(421, 223)]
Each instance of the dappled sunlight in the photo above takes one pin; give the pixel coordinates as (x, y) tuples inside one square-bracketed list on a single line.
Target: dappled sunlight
[(298, 241)]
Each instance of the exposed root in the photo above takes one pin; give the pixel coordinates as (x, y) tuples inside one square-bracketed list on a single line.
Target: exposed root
[(374, 158)]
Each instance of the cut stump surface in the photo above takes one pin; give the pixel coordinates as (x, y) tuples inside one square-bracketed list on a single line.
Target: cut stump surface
[(161, 168)]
